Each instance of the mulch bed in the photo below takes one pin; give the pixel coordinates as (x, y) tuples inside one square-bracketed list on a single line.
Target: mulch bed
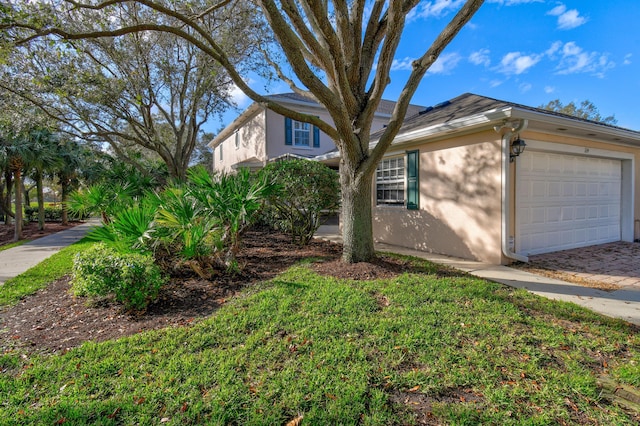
[(52, 320)]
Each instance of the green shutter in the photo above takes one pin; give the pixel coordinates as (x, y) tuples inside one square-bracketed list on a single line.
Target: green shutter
[(316, 137), (413, 187), (288, 136)]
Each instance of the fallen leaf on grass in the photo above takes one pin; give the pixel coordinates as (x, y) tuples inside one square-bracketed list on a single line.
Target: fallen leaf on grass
[(297, 421), (413, 389), (114, 414)]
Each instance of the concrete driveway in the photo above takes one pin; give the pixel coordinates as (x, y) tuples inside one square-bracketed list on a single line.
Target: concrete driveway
[(616, 265)]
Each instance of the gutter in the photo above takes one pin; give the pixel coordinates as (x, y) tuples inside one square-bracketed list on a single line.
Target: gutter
[(513, 128)]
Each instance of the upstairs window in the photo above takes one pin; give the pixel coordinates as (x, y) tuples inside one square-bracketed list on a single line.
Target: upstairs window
[(300, 134)]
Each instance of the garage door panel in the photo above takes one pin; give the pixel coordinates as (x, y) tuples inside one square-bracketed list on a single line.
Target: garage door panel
[(565, 201)]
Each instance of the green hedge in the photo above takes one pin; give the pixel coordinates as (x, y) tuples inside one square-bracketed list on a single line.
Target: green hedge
[(132, 278), (51, 214)]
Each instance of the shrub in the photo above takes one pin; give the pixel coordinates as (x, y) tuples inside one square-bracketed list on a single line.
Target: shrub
[(132, 278), (51, 214), (308, 189)]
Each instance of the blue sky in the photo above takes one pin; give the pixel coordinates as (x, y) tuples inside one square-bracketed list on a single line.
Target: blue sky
[(529, 52)]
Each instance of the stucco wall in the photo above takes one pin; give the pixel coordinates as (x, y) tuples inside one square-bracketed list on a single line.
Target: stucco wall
[(251, 145), (460, 201), (276, 137)]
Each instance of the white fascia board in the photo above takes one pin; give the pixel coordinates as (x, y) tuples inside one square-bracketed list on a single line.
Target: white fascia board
[(615, 132), (462, 124), (421, 133), (327, 156), (235, 124)]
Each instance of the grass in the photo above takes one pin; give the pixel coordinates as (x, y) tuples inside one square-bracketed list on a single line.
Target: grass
[(342, 352), (12, 245), (40, 275)]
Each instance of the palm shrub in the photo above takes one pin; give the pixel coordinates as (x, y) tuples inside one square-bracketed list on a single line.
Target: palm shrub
[(131, 228), (233, 201), (105, 199), (307, 190), (187, 228), (200, 222)]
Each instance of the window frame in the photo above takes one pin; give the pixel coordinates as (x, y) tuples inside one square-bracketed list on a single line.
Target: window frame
[(390, 177), (301, 131)]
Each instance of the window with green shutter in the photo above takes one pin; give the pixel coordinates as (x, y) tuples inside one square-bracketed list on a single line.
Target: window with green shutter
[(300, 134)]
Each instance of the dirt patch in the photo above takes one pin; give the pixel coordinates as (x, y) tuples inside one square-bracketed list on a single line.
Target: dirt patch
[(52, 320), (381, 267), (421, 404)]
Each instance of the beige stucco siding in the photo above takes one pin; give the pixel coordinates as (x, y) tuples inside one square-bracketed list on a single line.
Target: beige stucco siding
[(250, 145), (460, 201), (276, 137)]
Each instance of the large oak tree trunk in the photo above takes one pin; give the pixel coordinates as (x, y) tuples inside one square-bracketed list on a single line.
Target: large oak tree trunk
[(356, 219)]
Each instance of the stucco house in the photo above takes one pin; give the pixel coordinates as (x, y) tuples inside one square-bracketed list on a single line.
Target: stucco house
[(451, 184), (260, 135)]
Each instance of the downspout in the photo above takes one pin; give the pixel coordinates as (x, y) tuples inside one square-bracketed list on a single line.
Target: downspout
[(513, 127)]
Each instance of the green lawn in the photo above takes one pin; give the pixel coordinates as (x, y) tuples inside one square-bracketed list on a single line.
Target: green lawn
[(12, 245), (40, 275), (343, 352)]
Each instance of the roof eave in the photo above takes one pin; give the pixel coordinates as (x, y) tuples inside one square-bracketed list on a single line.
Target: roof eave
[(617, 134), (475, 121), (235, 124)]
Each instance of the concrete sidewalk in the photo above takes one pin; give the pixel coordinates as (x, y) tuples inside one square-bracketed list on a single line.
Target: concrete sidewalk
[(17, 260), (623, 303)]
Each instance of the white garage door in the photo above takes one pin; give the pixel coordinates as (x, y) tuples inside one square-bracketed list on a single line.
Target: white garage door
[(566, 201)]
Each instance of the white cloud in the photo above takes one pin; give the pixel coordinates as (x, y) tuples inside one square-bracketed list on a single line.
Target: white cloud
[(402, 64), (445, 63), (558, 10), (495, 83), (549, 89), (576, 60), (436, 9), (525, 87), (567, 19), (627, 59), (517, 63), (481, 57), (555, 46), (514, 2), (238, 97)]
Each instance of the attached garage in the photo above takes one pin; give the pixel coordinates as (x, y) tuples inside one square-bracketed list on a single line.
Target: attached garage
[(566, 201), (576, 183)]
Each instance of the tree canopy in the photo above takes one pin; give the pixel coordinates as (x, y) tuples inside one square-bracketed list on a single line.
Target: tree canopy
[(340, 53), (147, 90), (586, 110)]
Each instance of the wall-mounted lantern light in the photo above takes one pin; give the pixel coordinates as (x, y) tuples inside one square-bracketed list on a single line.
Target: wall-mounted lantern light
[(517, 148)]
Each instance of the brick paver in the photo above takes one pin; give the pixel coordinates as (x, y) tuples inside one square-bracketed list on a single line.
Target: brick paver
[(617, 263)]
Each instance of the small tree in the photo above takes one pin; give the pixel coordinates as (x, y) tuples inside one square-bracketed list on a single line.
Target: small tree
[(307, 189)]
